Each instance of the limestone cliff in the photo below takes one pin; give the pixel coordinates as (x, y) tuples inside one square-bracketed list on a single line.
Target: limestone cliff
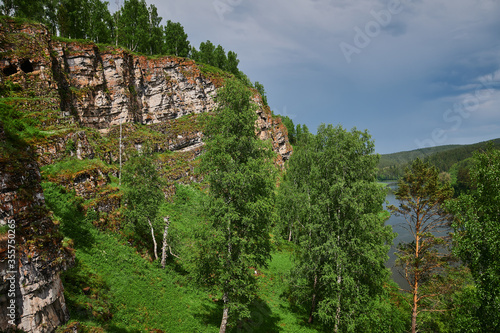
[(99, 87), (77, 94), (30, 266)]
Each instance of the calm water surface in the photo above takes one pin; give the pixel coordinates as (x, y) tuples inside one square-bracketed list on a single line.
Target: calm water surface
[(398, 224)]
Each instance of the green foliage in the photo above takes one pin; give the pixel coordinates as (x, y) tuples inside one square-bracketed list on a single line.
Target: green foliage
[(219, 57), (206, 53), (72, 166), (88, 294), (85, 19), (70, 146), (133, 26), (261, 91), (41, 10), (477, 235), (288, 122), (155, 32), (445, 159), (241, 178), (126, 292), (342, 237), (15, 125), (176, 40), (392, 166), (454, 307), (232, 63), (422, 197), (100, 25), (143, 195), (7, 88)]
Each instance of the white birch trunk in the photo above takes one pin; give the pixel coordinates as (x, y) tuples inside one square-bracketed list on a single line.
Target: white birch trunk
[(164, 247), (155, 249)]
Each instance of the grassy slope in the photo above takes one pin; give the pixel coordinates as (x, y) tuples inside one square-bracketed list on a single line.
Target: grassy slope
[(127, 292), (113, 288)]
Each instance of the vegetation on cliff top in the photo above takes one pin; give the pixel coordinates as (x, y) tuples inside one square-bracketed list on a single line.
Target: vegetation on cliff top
[(318, 265)]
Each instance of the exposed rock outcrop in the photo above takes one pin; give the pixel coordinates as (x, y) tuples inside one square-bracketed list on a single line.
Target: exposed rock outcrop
[(77, 94), (99, 87), (31, 261)]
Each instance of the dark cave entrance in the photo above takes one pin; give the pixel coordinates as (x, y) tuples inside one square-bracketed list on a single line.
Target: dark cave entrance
[(9, 70), (27, 66)]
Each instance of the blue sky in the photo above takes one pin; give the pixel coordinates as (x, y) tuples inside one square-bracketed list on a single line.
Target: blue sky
[(415, 73)]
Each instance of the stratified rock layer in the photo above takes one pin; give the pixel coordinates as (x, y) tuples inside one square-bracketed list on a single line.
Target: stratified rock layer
[(103, 87), (79, 94), (35, 256)]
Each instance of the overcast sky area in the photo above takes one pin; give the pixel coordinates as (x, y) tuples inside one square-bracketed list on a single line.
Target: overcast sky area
[(414, 73)]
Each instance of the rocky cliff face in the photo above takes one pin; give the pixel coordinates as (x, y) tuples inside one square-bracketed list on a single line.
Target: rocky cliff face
[(78, 94), (31, 253), (109, 85), (99, 87)]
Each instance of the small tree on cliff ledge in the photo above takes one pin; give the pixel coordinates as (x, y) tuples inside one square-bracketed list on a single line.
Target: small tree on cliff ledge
[(241, 175), (422, 197)]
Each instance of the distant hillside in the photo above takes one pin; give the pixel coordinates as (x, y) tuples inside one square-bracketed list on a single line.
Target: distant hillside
[(407, 156), (445, 159), (392, 166)]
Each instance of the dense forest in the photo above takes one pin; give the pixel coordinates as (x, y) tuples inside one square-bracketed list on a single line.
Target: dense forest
[(449, 159), (245, 245)]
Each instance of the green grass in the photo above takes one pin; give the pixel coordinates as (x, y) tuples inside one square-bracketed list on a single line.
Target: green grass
[(72, 166), (113, 287), (273, 311)]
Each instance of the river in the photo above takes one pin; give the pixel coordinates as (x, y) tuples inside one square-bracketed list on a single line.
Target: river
[(398, 224)]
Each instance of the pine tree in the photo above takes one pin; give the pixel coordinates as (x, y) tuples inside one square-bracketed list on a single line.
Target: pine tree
[(422, 197)]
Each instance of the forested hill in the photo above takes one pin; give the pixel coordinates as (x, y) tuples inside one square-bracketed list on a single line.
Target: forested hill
[(392, 166)]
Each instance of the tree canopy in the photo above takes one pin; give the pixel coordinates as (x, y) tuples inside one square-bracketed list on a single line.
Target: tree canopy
[(477, 235), (241, 176), (143, 196), (342, 239)]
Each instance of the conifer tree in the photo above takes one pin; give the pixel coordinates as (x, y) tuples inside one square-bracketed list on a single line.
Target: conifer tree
[(422, 197)]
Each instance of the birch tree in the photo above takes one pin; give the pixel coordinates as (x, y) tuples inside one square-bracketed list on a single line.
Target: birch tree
[(241, 176), (143, 196), (343, 241)]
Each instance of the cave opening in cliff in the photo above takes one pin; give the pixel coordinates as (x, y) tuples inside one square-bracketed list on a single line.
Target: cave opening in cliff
[(27, 66), (9, 70)]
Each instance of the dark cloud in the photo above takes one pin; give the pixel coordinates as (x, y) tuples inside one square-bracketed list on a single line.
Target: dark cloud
[(416, 64)]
